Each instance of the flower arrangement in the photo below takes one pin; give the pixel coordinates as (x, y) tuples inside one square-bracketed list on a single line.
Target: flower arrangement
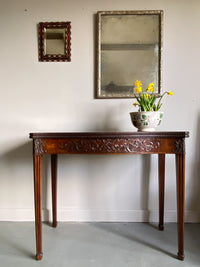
[(146, 101)]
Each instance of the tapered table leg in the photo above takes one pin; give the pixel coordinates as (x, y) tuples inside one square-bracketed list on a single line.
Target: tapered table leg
[(38, 204), (161, 182), (54, 188), (180, 172)]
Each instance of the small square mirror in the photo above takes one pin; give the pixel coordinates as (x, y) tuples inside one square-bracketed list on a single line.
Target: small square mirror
[(54, 41)]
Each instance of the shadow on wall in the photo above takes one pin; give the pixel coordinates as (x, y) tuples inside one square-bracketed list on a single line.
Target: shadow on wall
[(98, 182), (110, 121), (105, 185), (108, 125), (146, 169), (21, 153), (104, 122), (14, 163), (16, 175), (193, 182), (16, 172)]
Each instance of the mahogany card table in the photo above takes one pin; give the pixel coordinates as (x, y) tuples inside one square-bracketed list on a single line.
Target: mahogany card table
[(123, 143)]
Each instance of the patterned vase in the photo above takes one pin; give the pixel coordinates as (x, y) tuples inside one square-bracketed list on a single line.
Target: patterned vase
[(146, 121)]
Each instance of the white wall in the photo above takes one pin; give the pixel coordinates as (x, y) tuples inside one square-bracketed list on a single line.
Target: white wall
[(38, 96)]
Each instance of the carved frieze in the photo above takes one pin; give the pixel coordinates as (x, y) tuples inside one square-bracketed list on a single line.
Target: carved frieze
[(109, 145), (38, 147)]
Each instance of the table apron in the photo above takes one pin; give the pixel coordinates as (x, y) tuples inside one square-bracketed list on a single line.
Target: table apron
[(143, 145)]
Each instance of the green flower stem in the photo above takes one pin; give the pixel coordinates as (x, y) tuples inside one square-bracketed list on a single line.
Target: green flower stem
[(159, 102), (146, 101)]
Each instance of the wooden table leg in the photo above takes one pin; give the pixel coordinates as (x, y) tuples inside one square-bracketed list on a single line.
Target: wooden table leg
[(54, 188), (180, 173), (161, 182), (38, 204)]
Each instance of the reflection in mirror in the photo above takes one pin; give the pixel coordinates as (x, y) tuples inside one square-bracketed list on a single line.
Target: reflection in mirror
[(129, 49), (55, 41)]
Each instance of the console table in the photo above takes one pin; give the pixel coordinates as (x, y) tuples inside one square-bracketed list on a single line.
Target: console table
[(160, 143)]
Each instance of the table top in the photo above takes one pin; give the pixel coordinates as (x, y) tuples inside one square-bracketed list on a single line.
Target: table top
[(164, 134)]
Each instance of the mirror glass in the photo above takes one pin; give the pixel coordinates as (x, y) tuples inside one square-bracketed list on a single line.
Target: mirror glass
[(54, 41), (129, 49)]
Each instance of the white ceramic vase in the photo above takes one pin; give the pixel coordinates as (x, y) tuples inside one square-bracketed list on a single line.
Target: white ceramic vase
[(146, 121)]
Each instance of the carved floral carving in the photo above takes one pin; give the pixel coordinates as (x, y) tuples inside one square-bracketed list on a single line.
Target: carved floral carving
[(39, 146), (179, 146), (109, 145)]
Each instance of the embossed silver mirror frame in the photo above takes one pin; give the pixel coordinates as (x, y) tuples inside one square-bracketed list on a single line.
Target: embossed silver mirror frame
[(100, 15)]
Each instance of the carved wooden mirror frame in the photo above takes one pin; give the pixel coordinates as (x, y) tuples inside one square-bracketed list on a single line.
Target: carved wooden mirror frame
[(55, 57)]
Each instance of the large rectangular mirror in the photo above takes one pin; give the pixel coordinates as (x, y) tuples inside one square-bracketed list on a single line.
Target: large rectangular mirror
[(129, 49), (55, 41)]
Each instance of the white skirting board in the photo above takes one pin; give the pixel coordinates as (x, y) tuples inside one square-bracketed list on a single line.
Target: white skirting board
[(71, 215)]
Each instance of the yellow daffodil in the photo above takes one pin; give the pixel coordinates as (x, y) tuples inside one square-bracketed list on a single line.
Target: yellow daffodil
[(148, 100), (138, 89), (170, 93), (151, 84), (138, 83), (150, 87)]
